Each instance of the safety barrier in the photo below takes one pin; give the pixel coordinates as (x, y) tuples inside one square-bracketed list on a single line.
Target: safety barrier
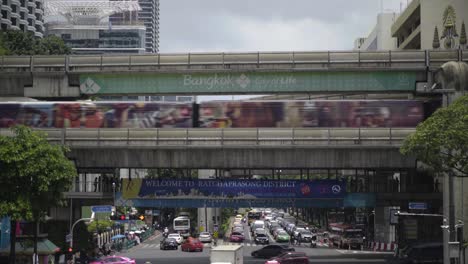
[(201, 137), (381, 246), (329, 59)]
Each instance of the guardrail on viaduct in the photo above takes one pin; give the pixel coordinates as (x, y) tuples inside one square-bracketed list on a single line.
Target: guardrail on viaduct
[(216, 61), (228, 137)]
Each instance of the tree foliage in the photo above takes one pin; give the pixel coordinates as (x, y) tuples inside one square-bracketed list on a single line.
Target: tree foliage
[(441, 141), (33, 175), (100, 225), (14, 42)]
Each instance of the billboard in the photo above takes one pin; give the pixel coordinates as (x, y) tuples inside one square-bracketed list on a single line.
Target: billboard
[(232, 189), (248, 82)]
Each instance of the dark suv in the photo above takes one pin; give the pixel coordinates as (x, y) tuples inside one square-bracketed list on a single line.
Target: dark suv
[(422, 253)]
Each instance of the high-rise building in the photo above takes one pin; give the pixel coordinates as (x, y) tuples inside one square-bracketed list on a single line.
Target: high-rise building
[(149, 16), (380, 37), (84, 26), (24, 15), (431, 24)]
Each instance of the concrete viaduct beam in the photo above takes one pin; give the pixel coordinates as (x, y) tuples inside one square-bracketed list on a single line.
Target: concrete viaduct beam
[(243, 157)]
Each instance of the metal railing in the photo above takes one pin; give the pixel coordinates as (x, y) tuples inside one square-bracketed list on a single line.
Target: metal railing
[(205, 137), (322, 59)]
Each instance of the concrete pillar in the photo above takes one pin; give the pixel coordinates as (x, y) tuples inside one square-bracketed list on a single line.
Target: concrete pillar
[(205, 215), (13, 85), (51, 85), (383, 231)]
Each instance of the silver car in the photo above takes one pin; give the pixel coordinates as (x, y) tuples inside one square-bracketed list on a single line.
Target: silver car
[(177, 237), (205, 237)]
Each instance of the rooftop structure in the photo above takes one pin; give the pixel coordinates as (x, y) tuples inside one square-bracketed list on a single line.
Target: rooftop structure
[(80, 12)]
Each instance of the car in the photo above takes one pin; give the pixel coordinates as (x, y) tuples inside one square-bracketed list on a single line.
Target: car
[(431, 252), (177, 237), (289, 258), (259, 231), (168, 243), (238, 218), (113, 259), (282, 236), (273, 226), (271, 251), (236, 224), (276, 231), (305, 236), (236, 237), (238, 229), (205, 237), (261, 239), (192, 244), (296, 230)]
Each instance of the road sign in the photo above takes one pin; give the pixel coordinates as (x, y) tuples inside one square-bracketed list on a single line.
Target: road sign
[(68, 238), (417, 206), (202, 228), (215, 228), (101, 208), (215, 234)]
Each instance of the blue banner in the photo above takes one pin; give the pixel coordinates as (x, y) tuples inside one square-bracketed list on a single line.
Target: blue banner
[(233, 189)]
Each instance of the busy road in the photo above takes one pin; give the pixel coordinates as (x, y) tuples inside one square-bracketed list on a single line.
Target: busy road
[(150, 251)]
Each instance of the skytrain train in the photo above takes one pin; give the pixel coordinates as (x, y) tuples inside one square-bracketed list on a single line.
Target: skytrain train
[(217, 114)]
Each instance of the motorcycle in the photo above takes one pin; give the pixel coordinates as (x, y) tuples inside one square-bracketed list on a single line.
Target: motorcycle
[(313, 242)]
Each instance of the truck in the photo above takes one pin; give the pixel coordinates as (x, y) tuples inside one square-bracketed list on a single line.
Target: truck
[(227, 254), (346, 235)]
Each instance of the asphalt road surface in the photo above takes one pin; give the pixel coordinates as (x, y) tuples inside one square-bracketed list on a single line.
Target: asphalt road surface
[(149, 251)]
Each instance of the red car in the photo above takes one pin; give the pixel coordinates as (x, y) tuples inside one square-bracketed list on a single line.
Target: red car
[(236, 237), (289, 258), (113, 260), (192, 244)]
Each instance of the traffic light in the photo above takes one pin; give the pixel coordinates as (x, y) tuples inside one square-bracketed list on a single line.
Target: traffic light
[(142, 217), (122, 217), (70, 250)]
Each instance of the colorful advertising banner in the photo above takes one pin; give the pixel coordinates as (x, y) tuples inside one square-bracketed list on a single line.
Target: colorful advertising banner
[(243, 83), (232, 189)]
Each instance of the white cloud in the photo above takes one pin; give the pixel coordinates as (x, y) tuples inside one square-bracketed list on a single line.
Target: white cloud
[(260, 25)]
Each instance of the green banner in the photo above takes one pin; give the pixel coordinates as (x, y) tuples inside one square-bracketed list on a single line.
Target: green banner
[(245, 83)]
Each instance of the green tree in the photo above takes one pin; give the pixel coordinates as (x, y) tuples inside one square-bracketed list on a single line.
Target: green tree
[(53, 45), (441, 141), (435, 41), (463, 35), (33, 176), (14, 42)]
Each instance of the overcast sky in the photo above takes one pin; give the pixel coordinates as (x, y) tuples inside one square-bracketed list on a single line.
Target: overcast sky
[(267, 25)]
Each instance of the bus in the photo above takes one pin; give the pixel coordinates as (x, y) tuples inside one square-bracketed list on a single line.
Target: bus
[(253, 215), (182, 226)]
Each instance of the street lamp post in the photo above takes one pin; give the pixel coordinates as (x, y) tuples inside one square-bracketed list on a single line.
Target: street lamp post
[(113, 192), (71, 232)]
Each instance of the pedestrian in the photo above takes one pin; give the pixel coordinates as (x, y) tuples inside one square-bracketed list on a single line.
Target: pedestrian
[(436, 185), (96, 182)]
